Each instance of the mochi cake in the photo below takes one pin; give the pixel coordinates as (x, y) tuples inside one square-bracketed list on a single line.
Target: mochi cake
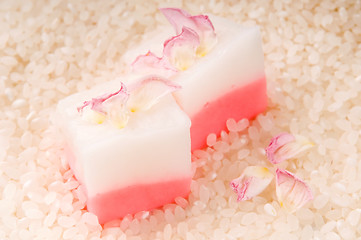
[(129, 142), (218, 63), (129, 148)]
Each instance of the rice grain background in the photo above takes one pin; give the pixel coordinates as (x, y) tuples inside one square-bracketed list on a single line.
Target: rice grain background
[(51, 49)]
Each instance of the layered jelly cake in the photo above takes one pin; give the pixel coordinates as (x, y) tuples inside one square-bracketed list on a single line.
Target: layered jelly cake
[(224, 78), (129, 141), (135, 161)]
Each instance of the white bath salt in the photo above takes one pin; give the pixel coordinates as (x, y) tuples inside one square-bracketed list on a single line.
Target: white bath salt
[(242, 124), (249, 218), (320, 201), (167, 233), (70, 233), (9, 191), (204, 194), (211, 139), (217, 156), (66, 222), (270, 210), (231, 125), (353, 217), (242, 154), (306, 233), (228, 212), (181, 202), (70, 185), (50, 218), (19, 103), (90, 218), (34, 213)]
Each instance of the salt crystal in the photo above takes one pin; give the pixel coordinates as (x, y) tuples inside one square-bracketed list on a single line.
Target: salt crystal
[(217, 156), (71, 185), (167, 233), (249, 218), (70, 233), (204, 194), (320, 201), (19, 103), (90, 219), (219, 187), (228, 212), (66, 221), (181, 202), (50, 198), (211, 139), (270, 209), (242, 124), (353, 218), (26, 139), (332, 236), (34, 213), (50, 219), (134, 226), (179, 213), (9, 191), (231, 125), (243, 153)]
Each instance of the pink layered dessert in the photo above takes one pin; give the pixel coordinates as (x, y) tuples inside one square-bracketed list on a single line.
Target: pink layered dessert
[(130, 149), (219, 65), (129, 144)]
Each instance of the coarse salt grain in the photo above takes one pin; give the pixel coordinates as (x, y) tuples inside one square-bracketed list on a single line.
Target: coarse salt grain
[(34, 213), (269, 209), (90, 219), (211, 139)]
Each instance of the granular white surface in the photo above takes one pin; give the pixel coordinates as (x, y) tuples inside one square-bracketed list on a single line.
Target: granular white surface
[(51, 49)]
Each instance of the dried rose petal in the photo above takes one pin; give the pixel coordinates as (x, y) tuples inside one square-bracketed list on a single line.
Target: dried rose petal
[(96, 104), (112, 105), (148, 91), (181, 49), (252, 182), (292, 192), (200, 24), (285, 146), (150, 63)]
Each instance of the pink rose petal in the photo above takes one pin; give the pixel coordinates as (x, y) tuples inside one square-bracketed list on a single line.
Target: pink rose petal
[(150, 63), (285, 146), (180, 18), (252, 182), (181, 49), (108, 105), (292, 192), (200, 24), (96, 104), (148, 91)]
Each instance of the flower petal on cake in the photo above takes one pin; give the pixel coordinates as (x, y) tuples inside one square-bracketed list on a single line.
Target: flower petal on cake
[(96, 104), (181, 49), (292, 192), (148, 91), (285, 146), (150, 63), (252, 182), (201, 24), (97, 109)]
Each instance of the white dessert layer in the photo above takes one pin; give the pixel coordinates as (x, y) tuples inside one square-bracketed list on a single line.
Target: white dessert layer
[(236, 60), (153, 147)]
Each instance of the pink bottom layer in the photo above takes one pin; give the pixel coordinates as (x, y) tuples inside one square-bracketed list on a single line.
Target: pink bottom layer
[(132, 199), (244, 102)]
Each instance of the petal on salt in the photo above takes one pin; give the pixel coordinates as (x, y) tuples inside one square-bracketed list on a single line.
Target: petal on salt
[(252, 182), (292, 192)]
